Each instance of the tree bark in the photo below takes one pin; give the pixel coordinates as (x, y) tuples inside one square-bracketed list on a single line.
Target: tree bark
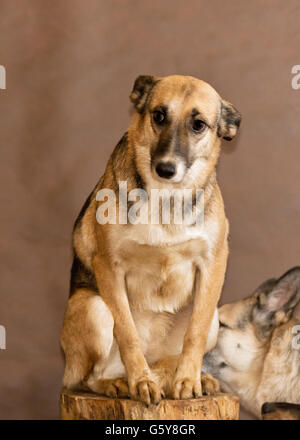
[(89, 406)]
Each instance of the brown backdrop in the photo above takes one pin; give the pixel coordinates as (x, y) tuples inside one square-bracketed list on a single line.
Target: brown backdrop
[(70, 67)]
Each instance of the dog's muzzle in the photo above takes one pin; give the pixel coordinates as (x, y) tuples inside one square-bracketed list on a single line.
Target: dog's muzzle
[(165, 170)]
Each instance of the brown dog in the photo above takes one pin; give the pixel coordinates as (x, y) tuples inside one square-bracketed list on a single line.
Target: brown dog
[(146, 291), (257, 356)]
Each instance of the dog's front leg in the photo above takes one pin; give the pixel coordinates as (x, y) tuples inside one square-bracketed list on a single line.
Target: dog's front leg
[(112, 288), (208, 285)]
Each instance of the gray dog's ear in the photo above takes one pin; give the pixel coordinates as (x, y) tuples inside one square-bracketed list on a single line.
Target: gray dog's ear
[(265, 287), (275, 304), (141, 91), (229, 122)]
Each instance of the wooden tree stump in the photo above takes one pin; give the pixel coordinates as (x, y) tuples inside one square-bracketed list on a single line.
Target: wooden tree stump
[(89, 406)]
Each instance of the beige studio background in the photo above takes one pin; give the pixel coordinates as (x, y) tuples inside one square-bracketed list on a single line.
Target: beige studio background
[(70, 68)]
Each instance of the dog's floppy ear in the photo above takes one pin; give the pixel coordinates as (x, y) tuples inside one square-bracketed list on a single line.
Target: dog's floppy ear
[(229, 121), (141, 91), (276, 303)]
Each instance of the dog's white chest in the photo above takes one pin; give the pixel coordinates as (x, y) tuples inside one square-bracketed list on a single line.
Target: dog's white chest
[(159, 264)]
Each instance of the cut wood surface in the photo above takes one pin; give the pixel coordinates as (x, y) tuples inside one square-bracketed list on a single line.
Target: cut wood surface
[(89, 406)]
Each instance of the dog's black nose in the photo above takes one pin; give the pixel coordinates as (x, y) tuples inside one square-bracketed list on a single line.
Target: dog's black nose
[(165, 169)]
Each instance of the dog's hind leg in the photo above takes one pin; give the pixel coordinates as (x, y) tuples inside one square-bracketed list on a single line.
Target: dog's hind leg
[(110, 387), (164, 371), (87, 337)]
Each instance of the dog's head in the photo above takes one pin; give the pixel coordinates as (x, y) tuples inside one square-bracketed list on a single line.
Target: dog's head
[(280, 411), (177, 128), (246, 330)]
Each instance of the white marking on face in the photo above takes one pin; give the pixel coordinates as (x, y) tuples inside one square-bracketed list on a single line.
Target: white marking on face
[(180, 171), (175, 104), (203, 142), (238, 348)]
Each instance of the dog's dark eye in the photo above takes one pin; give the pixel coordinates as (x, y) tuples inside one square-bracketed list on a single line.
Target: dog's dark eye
[(198, 125), (222, 365), (159, 116)]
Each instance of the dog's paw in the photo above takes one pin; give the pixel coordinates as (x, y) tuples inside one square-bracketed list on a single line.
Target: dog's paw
[(210, 385), (186, 389), (113, 388), (147, 391)]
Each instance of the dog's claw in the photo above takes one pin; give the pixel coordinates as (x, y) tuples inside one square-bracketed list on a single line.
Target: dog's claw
[(187, 389), (148, 392)]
